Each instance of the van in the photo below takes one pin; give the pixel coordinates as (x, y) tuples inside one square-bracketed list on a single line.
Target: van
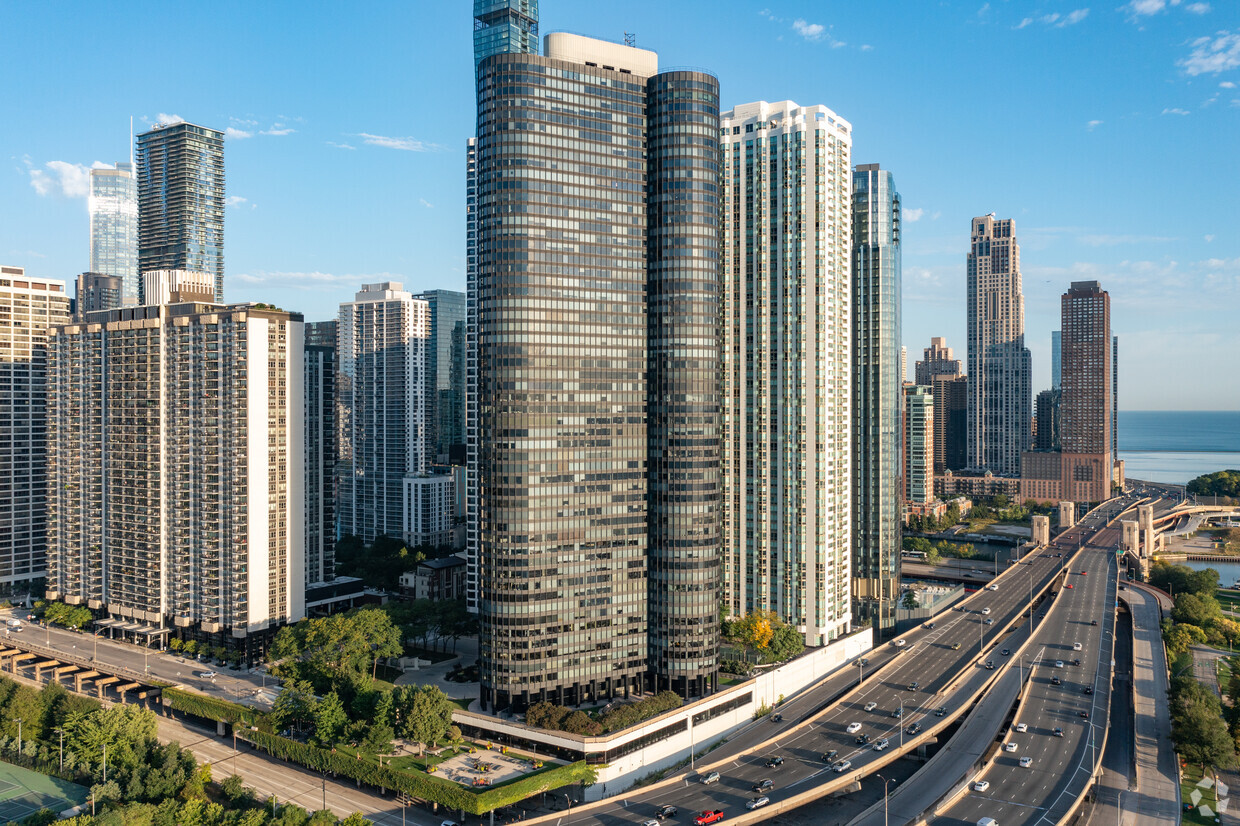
[(988, 821)]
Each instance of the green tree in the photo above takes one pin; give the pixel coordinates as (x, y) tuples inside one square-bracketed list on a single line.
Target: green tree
[(233, 788), (355, 819), (1179, 637), (424, 713), (294, 706), (786, 643), (1196, 609), (1198, 729), (329, 720), (910, 600)]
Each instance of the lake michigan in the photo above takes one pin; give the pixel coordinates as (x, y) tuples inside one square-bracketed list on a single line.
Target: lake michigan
[(1176, 446)]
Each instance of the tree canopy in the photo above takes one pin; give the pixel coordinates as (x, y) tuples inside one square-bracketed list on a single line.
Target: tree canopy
[(1219, 483)]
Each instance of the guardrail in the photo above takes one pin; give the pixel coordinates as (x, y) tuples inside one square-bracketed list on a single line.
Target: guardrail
[(73, 659)]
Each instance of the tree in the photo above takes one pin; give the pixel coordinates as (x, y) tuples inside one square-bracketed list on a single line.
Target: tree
[(294, 706), (378, 738), (910, 600), (355, 819), (755, 630), (329, 720), (786, 643), (1196, 609), (1198, 729), (233, 788), (1179, 637), (424, 713)]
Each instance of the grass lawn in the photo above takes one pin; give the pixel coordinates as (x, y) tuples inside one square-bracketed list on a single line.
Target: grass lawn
[(1228, 598), (1191, 774)]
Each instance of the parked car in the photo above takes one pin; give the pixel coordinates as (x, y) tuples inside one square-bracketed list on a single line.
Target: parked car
[(1057, 732), (1089, 689), (1076, 646), (1085, 715), (1059, 663), (955, 646), (1056, 681), (988, 621), (777, 718), (914, 685), (758, 802), (985, 610), (862, 739), (930, 626), (1022, 727), (1009, 746), (992, 587), (206, 675), (900, 643)]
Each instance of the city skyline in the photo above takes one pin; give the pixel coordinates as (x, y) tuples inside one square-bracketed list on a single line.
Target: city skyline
[(376, 212)]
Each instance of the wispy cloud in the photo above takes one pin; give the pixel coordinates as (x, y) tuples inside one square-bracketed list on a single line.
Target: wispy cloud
[(1022, 24), (406, 144), (1208, 238), (278, 130), (982, 11), (237, 201), (1055, 19), (912, 215), (1140, 9), (1198, 8), (341, 145), (1227, 84), (164, 117), (310, 280), (1175, 111), (425, 203), (61, 178), (1212, 55), (1104, 240), (234, 134), (1092, 125), (1072, 18)]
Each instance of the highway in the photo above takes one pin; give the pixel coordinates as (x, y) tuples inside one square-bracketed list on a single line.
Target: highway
[(940, 666)]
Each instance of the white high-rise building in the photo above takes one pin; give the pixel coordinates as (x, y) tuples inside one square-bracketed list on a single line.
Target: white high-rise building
[(175, 473), (28, 306), (787, 375), (113, 207), (381, 383)]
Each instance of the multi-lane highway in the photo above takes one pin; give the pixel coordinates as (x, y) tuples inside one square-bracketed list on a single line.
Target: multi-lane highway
[(938, 666)]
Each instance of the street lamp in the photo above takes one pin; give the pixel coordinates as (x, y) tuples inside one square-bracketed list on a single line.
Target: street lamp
[(885, 782)]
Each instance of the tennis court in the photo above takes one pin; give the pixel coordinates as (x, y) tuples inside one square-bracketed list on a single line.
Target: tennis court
[(24, 792)]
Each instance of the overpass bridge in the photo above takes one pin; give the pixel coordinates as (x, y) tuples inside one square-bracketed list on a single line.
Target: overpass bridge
[(24, 658), (916, 688)]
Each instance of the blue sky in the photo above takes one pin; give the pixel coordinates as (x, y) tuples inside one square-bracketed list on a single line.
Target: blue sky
[(1110, 133)]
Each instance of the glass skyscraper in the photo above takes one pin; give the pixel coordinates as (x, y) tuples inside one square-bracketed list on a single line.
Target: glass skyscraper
[(877, 391), (181, 201), (113, 207), (505, 27), (597, 490), (445, 377)]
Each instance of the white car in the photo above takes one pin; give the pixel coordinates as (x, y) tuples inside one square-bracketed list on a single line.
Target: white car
[(871, 706), (1026, 762), (1076, 646), (900, 643), (853, 728), (1022, 727), (992, 587), (842, 766), (981, 785), (985, 610), (206, 675), (757, 802), (1009, 747)]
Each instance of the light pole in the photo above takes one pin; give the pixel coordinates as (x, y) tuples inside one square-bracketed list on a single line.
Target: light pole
[(1119, 808), (885, 782)]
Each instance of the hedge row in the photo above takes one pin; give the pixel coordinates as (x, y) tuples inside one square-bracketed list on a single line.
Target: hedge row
[(424, 786), (212, 709)]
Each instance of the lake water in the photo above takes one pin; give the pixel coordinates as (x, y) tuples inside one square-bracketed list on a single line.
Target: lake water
[(1176, 446), (1228, 572)]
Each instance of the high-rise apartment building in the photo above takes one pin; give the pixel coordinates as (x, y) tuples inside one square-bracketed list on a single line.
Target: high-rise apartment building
[(175, 470), (96, 291), (1115, 399), (787, 365), (28, 307), (473, 559), (445, 376), (505, 27), (381, 387), (1056, 359), (937, 360), (878, 362), (319, 383), (918, 450), (999, 363), (181, 201), (940, 371), (113, 208), (1048, 407), (594, 453)]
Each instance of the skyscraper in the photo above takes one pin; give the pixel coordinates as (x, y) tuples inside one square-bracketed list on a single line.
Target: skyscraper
[(445, 376), (940, 371), (113, 207), (181, 201), (473, 559), (175, 470), (1056, 359), (787, 364), (1115, 399), (1049, 412), (96, 291), (596, 488), (999, 363), (877, 379), (918, 445), (28, 307), (505, 27), (319, 452), (937, 360), (380, 407)]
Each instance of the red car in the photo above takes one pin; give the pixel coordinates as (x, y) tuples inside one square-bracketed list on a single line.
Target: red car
[(708, 817), (1069, 585)]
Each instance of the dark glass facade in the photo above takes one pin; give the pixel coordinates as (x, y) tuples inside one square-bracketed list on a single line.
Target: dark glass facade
[(877, 393), (682, 305), (505, 27), (445, 377), (573, 525)]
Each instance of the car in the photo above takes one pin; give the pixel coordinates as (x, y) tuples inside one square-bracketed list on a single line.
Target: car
[(1089, 689), (1007, 652), (1076, 646), (1069, 585), (1026, 762), (955, 646), (758, 802), (777, 718), (870, 706), (914, 685), (206, 675), (941, 711), (1022, 727), (713, 777), (985, 610), (664, 812), (774, 762), (650, 823), (1009, 746), (981, 785), (900, 643), (1084, 573), (842, 766), (1056, 681), (990, 665), (881, 744), (449, 823), (764, 785), (1077, 661), (853, 728), (862, 739), (930, 626), (863, 661), (1095, 622), (913, 729), (1059, 663), (828, 756), (1057, 732), (992, 587), (708, 816), (988, 621), (1085, 715), (897, 713)]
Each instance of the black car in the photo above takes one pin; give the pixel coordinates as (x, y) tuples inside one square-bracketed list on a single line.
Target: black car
[(990, 665), (1085, 715), (828, 756), (1006, 652), (930, 625), (664, 812), (913, 729), (862, 739), (774, 762), (1077, 661), (864, 661), (777, 718), (1089, 689), (914, 685), (941, 711), (1095, 622), (1056, 681), (898, 713), (1058, 732), (763, 786)]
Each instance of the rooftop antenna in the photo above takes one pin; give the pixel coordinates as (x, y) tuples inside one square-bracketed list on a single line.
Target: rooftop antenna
[(630, 39)]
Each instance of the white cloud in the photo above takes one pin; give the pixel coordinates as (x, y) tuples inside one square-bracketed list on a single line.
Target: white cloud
[(1049, 18), (866, 47), (1213, 54), (1073, 17), (340, 145), (1024, 22), (278, 130), (1175, 111), (165, 118), (425, 203), (912, 215), (311, 280), (810, 31), (237, 134), (1144, 8), (1198, 8), (406, 144), (1055, 19), (982, 11), (236, 201), (1092, 125), (1209, 238), (1104, 240), (69, 180), (1227, 84)]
